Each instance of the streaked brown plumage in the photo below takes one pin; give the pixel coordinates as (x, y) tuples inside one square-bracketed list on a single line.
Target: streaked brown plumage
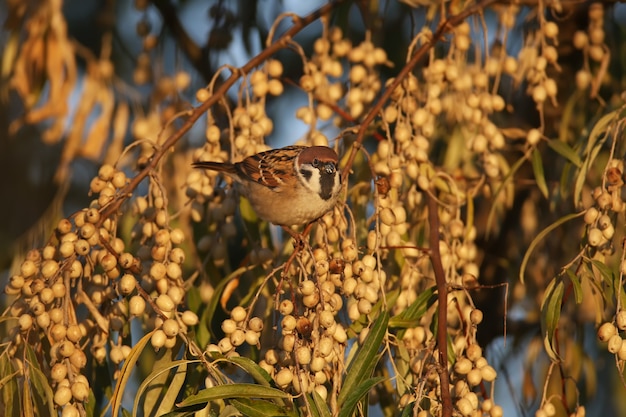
[(288, 186)]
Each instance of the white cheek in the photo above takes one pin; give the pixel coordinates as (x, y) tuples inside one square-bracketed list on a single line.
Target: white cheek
[(314, 182)]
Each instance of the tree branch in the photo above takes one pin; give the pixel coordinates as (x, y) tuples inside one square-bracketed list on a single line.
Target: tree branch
[(442, 305), (198, 112), (442, 29)]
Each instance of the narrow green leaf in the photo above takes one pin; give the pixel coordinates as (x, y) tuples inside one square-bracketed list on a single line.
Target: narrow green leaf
[(578, 289), (550, 314), (173, 389), (40, 391), (127, 369), (594, 145), (413, 313), (601, 126), (605, 272), (192, 410), (9, 388), (539, 238), (8, 378), (505, 182), (221, 392), (565, 151), (318, 405), (259, 374), (357, 394), (157, 380), (153, 386), (27, 400), (211, 308), (42, 386), (540, 177), (363, 364), (258, 408)]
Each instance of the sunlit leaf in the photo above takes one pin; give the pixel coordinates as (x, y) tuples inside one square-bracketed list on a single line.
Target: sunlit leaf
[(8, 385), (578, 289), (540, 237), (539, 173), (565, 151), (355, 395), (221, 392), (413, 313), (605, 272), (550, 314), (126, 371), (257, 373), (596, 140), (361, 367), (39, 382), (505, 182), (258, 408), (318, 406)]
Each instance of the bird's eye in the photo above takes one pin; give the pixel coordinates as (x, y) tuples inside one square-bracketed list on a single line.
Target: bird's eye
[(315, 163)]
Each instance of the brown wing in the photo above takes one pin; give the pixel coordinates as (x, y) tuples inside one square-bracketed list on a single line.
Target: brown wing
[(273, 169)]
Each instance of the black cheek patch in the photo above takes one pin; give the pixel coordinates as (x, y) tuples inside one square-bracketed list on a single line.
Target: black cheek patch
[(306, 174)]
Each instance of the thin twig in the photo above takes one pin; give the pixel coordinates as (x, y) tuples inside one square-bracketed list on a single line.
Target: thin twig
[(199, 111), (442, 306), (442, 29)]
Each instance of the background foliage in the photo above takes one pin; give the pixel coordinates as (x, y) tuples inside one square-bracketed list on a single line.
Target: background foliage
[(475, 266)]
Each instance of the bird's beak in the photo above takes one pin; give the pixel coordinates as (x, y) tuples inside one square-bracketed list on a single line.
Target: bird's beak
[(329, 168)]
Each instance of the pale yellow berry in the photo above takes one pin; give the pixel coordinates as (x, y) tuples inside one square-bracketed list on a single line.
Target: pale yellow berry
[(476, 316), (606, 331), (596, 53), (615, 343), (225, 345), (136, 305), (464, 406), (238, 337), (539, 94), (157, 339), (62, 396), (274, 68), (303, 355), (58, 372), (551, 30), (594, 237), (580, 39), (189, 318), (463, 366), (165, 303), (488, 373), (80, 391), (229, 326), (474, 377), (284, 377), (170, 327), (496, 411), (533, 136), (285, 307), (289, 323)]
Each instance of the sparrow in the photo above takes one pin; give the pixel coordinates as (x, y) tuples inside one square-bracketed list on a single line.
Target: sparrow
[(290, 186)]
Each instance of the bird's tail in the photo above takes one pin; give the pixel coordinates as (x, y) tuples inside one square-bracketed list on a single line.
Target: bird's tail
[(225, 167)]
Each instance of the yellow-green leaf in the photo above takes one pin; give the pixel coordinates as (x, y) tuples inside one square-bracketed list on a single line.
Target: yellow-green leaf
[(550, 314), (125, 373), (221, 392), (539, 238), (565, 151), (540, 177)]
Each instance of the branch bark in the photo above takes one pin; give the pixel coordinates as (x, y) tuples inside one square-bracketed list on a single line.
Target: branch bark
[(442, 306)]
